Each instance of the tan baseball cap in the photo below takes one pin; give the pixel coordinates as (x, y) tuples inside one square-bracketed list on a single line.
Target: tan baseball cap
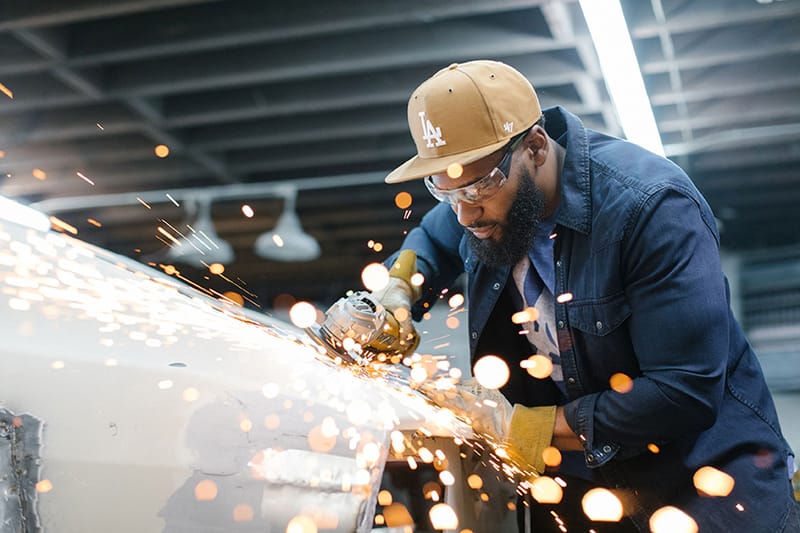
[(465, 112)]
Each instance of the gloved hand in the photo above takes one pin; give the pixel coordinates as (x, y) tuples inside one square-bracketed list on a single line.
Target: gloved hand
[(523, 432), (397, 297)]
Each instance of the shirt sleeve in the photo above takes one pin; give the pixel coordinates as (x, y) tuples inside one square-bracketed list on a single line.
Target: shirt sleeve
[(679, 330), (436, 241)]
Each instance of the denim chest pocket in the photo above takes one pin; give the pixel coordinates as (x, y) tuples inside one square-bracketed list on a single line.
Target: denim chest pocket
[(599, 317)]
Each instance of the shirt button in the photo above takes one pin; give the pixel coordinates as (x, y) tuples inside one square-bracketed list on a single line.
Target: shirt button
[(474, 335), (599, 325), (570, 380), (607, 448), (496, 286), (560, 324)]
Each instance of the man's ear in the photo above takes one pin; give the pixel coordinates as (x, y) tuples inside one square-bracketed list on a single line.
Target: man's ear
[(536, 142)]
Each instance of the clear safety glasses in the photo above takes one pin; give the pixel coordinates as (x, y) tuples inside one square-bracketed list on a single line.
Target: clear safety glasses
[(482, 189)]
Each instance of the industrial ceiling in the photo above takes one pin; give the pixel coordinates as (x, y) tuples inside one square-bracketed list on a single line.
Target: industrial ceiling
[(251, 92)]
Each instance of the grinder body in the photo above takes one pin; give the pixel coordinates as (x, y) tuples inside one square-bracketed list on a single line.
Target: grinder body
[(358, 328)]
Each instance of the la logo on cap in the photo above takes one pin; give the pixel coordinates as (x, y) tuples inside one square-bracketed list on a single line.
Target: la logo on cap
[(429, 133)]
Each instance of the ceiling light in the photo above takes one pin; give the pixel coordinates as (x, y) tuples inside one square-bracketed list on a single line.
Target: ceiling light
[(287, 241), (623, 78), (201, 243)]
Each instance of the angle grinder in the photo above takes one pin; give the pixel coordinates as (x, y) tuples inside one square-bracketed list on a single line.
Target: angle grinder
[(360, 330)]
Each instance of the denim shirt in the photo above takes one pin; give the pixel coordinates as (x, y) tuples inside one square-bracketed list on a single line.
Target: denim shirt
[(638, 248)]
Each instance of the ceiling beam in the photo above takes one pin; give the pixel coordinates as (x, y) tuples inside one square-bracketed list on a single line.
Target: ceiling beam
[(723, 83), (772, 177), (744, 160), (23, 14), (145, 173), (754, 136), (51, 43), (710, 14), (286, 92), (248, 190), (757, 197), (724, 53), (738, 111), (245, 22), (220, 25), (676, 83), (79, 152), (93, 120), (338, 151), (562, 27), (378, 51), (290, 105), (365, 122)]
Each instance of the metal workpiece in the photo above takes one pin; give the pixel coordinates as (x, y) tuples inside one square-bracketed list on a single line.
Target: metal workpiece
[(165, 409), (20, 443)]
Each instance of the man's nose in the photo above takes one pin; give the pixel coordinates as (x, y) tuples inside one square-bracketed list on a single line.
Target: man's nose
[(467, 214)]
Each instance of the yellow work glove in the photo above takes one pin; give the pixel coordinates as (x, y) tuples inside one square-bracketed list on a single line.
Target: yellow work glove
[(524, 432), (397, 297)]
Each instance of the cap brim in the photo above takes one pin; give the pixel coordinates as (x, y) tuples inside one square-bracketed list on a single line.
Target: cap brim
[(418, 167)]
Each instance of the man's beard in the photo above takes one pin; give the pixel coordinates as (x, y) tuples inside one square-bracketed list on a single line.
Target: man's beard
[(517, 232)]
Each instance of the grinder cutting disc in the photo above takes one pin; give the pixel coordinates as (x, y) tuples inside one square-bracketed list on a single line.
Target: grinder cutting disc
[(315, 332), (358, 329)]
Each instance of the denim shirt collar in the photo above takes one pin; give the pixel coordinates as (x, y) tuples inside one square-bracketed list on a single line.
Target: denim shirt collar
[(575, 207)]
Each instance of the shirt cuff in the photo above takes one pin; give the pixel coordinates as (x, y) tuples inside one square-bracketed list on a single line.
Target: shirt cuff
[(580, 418)]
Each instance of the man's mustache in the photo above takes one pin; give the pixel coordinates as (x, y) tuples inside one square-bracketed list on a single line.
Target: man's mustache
[(482, 224)]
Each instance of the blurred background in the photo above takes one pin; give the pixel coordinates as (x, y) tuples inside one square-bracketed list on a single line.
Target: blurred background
[(257, 134)]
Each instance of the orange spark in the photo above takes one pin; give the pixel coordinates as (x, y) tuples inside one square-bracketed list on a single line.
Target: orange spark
[(621, 383), (243, 513), (44, 485), (538, 366), (544, 489), (60, 225), (206, 490), (168, 235), (5, 90), (403, 200), (529, 314), (564, 298), (455, 170), (491, 371), (475, 481), (384, 498)]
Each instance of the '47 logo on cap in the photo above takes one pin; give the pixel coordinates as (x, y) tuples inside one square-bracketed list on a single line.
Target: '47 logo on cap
[(429, 133)]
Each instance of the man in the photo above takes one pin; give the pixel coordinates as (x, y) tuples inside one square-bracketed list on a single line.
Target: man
[(619, 254)]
